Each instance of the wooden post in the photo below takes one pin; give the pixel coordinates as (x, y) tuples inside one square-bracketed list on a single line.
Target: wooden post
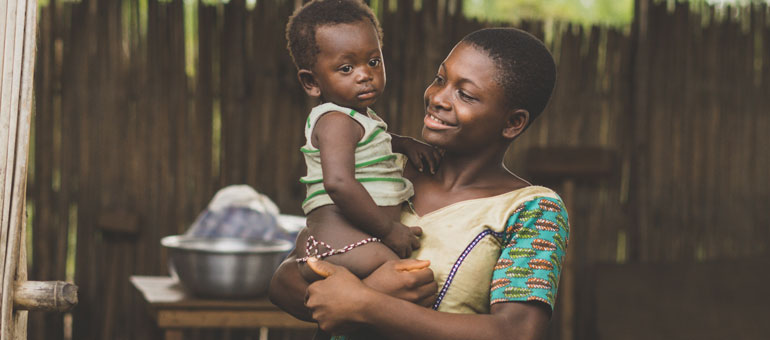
[(17, 59), (55, 296), (18, 30)]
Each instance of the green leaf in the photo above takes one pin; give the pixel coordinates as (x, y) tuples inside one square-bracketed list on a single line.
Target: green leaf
[(562, 222), (559, 242), (549, 296), (527, 233), (530, 214), (552, 279), (516, 292), (556, 260), (521, 252), (518, 272)]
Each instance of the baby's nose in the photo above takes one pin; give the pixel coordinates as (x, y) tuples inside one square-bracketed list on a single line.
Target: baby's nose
[(363, 75)]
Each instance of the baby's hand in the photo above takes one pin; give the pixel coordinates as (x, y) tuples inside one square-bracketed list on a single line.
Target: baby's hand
[(423, 156), (402, 239)]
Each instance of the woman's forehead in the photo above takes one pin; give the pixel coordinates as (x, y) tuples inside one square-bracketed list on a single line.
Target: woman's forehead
[(467, 62)]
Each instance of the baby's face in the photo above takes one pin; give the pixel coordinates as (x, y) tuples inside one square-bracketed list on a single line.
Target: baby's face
[(349, 68)]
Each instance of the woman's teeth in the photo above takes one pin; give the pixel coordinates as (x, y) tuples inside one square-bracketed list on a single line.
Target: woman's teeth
[(432, 117)]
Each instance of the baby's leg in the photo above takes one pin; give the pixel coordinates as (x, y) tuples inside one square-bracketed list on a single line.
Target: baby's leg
[(328, 225)]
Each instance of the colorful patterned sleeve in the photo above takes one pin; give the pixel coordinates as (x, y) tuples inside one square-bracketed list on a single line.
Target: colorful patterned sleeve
[(535, 243)]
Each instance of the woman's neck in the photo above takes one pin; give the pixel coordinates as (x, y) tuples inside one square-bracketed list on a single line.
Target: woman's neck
[(463, 171)]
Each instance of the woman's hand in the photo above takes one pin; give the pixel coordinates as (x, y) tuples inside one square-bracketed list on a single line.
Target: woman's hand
[(423, 156), (336, 301)]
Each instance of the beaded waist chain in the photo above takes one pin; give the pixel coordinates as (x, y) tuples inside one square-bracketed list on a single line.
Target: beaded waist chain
[(314, 248)]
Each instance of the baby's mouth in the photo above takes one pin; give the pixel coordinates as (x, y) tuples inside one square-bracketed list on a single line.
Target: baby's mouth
[(367, 94)]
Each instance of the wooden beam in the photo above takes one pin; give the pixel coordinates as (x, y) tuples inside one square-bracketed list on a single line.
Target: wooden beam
[(49, 296), (186, 318)]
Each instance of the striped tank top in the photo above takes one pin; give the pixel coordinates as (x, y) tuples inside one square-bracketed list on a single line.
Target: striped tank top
[(377, 168)]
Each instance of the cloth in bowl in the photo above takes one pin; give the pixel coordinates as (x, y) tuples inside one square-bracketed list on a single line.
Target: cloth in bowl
[(239, 211)]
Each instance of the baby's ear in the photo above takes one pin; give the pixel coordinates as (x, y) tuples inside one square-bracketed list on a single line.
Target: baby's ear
[(515, 123), (309, 83)]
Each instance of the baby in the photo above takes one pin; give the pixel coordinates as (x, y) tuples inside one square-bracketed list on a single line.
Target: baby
[(354, 180)]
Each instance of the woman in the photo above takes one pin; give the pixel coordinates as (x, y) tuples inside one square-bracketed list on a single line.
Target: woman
[(495, 243)]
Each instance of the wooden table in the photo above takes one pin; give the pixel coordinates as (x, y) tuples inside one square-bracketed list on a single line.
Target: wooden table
[(174, 310)]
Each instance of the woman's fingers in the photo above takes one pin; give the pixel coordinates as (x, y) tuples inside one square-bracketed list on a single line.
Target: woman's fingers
[(404, 279), (411, 265), (322, 268)]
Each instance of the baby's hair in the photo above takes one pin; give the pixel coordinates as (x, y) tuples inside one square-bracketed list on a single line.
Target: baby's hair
[(527, 69), (302, 26)]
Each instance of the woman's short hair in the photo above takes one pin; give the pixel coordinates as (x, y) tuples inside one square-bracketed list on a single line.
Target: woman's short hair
[(527, 69)]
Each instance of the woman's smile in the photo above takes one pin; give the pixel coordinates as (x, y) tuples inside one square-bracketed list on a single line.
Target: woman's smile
[(434, 123)]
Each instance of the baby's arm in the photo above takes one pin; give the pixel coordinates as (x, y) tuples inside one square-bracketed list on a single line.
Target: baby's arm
[(336, 135)]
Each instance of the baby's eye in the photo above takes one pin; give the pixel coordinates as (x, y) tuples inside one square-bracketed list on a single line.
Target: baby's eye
[(438, 79), (346, 69), (374, 62)]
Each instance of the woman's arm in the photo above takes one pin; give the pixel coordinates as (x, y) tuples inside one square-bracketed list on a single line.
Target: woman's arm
[(287, 287), (409, 280), (342, 299)]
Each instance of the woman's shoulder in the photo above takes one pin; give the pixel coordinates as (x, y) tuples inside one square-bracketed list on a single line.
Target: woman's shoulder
[(525, 197)]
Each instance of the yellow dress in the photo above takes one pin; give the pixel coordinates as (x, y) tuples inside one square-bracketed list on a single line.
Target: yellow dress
[(464, 242)]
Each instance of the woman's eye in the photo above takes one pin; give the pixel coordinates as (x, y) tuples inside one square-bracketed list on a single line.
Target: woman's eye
[(374, 62), (438, 79), (465, 96), (346, 69)]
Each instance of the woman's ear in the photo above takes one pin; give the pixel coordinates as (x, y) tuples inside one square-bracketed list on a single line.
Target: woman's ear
[(308, 82), (515, 123)]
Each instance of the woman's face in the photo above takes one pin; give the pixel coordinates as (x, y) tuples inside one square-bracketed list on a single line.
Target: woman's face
[(464, 106)]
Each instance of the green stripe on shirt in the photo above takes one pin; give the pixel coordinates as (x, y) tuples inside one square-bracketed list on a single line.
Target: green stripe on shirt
[(359, 165), (308, 150), (375, 161), (367, 141), (360, 180), (371, 137)]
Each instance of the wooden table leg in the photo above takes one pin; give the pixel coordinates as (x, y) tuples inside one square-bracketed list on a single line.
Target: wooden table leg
[(263, 333), (173, 334)]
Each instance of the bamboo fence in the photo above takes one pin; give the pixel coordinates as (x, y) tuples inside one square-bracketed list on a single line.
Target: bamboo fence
[(138, 125)]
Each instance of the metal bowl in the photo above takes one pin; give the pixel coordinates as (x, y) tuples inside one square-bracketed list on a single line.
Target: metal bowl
[(225, 267)]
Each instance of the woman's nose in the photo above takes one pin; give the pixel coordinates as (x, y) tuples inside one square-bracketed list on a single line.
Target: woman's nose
[(438, 97)]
